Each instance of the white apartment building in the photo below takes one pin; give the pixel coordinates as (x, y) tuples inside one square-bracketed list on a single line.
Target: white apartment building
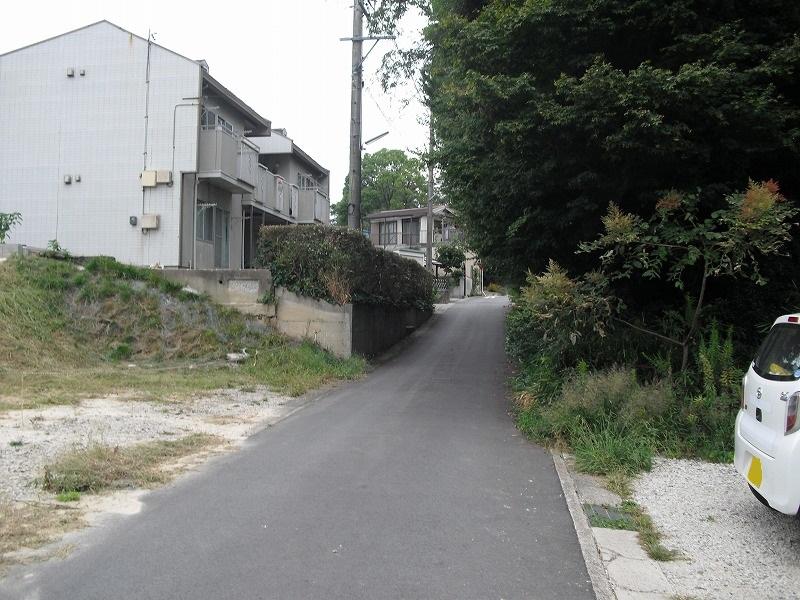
[(115, 145)]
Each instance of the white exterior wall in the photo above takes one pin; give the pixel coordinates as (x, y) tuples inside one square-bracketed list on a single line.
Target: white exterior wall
[(93, 126)]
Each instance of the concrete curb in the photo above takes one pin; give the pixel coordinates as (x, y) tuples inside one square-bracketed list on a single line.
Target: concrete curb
[(591, 555)]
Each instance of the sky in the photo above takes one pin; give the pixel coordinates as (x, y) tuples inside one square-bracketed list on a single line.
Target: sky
[(282, 57)]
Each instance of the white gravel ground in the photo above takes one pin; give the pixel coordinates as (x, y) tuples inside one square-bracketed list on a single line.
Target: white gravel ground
[(29, 439), (734, 546)]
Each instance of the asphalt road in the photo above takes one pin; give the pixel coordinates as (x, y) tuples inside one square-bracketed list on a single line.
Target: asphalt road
[(412, 483)]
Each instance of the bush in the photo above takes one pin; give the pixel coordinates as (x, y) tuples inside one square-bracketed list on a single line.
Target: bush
[(567, 320), (450, 256), (341, 266)]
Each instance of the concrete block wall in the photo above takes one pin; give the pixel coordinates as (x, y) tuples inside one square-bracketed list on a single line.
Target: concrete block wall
[(241, 289)]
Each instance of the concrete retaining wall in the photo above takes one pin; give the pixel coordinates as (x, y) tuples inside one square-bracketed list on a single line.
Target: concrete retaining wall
[(326, 324), (375, 329), (241, 289), (7, 250), (344, 330)]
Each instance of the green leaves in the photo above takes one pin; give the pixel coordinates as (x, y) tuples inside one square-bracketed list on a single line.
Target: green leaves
[(341, 266), (732, 242), (390, 179), (7, 222), (545, 112)]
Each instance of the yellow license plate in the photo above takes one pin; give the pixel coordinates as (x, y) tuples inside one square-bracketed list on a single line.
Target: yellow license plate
[(754, 473)]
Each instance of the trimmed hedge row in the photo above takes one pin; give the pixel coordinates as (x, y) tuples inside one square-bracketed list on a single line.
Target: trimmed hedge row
[(340, 265)]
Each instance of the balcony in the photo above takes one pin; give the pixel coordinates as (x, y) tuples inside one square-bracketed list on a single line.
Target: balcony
[(314, 206), (230, 161)]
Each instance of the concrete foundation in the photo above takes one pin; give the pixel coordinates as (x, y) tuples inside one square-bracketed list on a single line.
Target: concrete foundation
[(242, 289), (344, 330), (7, 250)]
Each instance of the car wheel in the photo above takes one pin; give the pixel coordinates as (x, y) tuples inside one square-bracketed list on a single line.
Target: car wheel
[(759, 497)]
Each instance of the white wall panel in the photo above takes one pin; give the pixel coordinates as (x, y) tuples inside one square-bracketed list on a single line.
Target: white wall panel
[(94, 126)]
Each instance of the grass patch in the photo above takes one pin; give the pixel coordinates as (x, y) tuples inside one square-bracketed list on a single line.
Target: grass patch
[(283, 366), (619, 482), (101, 468), (70, 496), (68, 334), (649, 536), (612, 449), (608, 523), (32, 526)]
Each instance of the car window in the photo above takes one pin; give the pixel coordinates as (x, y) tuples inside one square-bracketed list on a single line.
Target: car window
[(779, 355)]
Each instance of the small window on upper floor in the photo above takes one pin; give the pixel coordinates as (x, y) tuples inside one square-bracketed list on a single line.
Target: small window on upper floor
[(224, 125), (208, 119)]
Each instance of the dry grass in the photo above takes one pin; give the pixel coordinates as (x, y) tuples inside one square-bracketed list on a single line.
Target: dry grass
[(32, 526), (101, 467)]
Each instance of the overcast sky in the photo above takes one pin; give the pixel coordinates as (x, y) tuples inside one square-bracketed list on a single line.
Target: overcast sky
[(282, 57)]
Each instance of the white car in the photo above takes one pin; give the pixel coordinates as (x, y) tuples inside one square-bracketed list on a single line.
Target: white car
[(767, 428)]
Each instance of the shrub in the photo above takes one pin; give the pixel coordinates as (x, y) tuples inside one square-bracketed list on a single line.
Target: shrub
[(495, 288), (565, 319), (450, 256), (340, 266)]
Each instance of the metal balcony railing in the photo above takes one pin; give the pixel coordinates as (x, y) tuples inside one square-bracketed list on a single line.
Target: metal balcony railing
[(231, 155)]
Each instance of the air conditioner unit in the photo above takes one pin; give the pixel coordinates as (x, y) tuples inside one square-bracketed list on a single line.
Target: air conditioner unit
[(149, 222), (164, 176), (148, 178)]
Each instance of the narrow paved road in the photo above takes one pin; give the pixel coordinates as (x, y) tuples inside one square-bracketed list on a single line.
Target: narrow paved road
[(412, 483)]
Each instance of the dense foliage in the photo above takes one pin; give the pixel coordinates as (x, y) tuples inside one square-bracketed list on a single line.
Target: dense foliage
[(547, 111), (390, 179), (560, 327), (342, 266)]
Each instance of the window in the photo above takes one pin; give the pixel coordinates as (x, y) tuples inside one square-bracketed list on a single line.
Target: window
[(387, 233), (208, 119), (223, 124), (307, 182), (779, 355), (411, 232), (205, 224)]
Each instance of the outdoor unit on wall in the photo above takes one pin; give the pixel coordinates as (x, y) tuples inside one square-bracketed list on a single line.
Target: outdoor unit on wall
[(149, 222), (164, 176), (148, 178)]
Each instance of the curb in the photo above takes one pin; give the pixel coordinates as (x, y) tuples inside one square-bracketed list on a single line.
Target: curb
[(591, 555)]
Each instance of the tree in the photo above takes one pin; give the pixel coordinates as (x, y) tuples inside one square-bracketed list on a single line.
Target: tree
[(390, 180), (547, 111), (677, 242), (450, 256), (7, 222)]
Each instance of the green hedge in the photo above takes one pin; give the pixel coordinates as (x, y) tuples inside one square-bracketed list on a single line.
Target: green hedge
[(341, 266)]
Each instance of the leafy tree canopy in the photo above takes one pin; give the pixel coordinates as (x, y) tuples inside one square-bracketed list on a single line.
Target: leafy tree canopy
[(546, 111), (390, 180)]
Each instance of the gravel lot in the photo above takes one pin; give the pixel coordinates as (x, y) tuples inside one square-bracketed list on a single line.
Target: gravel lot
[(29, 439), (735, 547)]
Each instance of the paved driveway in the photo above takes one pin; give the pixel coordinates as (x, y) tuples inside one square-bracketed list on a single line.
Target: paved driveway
[(412, 483)]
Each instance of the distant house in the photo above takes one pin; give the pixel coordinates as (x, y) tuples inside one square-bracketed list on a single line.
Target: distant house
[(405, 232), (113, 144)]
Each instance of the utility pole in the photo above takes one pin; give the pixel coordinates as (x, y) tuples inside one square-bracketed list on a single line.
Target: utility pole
[(354, 208), (429, 245), (356, 87)]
